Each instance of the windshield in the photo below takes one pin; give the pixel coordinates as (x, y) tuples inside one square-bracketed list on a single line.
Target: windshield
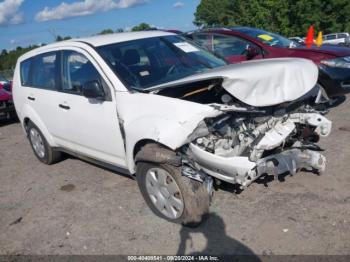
[(148, 62), (268, 38)]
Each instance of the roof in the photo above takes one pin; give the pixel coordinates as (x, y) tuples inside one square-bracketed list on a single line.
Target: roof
[(100, 40)]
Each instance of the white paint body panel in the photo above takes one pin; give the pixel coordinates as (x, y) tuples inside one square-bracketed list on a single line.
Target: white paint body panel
[(100, 40), (92, 129), (161, 119), (264, 82)]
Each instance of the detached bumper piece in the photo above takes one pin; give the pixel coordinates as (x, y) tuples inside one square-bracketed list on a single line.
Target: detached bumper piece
[(240, 170), (291, 161)]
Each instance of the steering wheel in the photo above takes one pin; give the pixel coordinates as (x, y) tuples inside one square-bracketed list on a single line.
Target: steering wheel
[(130, 76)]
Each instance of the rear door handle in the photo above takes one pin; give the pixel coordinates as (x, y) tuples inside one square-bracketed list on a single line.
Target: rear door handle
[(64, 106), (31, 98)]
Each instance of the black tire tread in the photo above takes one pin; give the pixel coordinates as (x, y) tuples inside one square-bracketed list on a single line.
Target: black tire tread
[(195, 196)]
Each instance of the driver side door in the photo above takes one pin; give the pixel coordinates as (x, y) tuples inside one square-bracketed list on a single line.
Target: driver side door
[(92, 124)]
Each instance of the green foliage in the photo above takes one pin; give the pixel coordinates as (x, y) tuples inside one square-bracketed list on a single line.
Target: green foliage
[(106, 32), (60, 38), (8, 58), (287, 17), (141, 27)]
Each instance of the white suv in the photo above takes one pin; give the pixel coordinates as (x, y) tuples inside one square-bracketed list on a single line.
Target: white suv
[(176, 117), (336, 39)]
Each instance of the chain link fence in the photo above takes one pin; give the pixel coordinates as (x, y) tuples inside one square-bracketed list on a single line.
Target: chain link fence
[(7, 74)]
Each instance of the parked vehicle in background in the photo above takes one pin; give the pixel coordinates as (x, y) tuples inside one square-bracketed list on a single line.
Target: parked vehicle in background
[(5, 84), (7, 109), (237, 44), (337, 39), (154, 105), (297, 39)]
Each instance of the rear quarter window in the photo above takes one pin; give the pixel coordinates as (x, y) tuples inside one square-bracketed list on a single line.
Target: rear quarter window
[(41, 71), (342, 35), (25, 68)]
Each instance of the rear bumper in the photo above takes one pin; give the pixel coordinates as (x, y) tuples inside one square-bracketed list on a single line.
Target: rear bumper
[(336, 81)]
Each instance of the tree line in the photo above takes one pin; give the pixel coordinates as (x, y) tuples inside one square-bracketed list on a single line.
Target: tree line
[(287, 17), (8, 58)]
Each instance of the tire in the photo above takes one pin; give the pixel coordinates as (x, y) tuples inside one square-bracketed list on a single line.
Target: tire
[(192, 194), (42, 150)]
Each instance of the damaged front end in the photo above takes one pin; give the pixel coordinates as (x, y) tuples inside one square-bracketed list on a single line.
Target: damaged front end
[(267, 123), (239, 147)]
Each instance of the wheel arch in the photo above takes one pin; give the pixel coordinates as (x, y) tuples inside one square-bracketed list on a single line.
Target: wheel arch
[(29, 115), (149, 150)]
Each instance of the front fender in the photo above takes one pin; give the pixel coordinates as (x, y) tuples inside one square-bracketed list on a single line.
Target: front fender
[(168, 121)]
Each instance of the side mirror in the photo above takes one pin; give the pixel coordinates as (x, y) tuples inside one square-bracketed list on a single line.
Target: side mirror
[(252, 51), (93, 89)]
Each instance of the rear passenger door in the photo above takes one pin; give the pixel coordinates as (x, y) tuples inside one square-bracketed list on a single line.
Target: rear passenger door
[(92, 125), (40, 76)]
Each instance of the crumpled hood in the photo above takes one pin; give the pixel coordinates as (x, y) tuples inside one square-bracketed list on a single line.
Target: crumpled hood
[(264, 82)]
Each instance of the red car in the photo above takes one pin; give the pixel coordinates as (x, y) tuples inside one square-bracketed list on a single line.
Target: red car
[(238, 44), (5, 84), (7, 109)]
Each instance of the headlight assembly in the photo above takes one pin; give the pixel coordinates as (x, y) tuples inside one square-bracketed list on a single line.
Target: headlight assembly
[(341, 62)]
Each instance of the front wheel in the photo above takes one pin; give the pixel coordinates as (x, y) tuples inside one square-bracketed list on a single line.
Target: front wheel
[(170, 195)]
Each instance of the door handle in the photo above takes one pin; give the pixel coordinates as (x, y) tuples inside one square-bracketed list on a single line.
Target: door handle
[(31, 98), (64, 106)]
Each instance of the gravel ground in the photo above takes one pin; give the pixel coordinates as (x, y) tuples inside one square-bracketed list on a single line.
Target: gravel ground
[(74, 207)]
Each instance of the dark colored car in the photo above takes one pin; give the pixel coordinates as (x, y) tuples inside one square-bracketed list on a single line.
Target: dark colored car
[(238, 44), (5, 84), (7, 108)]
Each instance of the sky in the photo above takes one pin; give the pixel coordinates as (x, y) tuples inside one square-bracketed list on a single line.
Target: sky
[(26, 22)]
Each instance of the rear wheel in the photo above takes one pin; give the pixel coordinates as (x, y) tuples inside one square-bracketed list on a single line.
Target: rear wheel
[(42, 150), (170, 195)]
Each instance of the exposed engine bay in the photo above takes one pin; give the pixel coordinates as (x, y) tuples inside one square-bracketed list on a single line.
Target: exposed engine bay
[(246, 142)]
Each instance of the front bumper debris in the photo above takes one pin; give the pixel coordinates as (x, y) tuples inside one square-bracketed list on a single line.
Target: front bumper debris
[(240, 170), (291, 161)]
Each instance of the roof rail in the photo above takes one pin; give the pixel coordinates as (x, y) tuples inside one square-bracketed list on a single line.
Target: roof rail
[(216, 28), (207, 29)]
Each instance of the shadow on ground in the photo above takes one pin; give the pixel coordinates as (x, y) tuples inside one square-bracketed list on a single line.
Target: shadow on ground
[(218, 242), (337, 101), (5, 122)]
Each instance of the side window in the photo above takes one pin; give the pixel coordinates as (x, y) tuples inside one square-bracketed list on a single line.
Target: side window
[(40, 71), (78, 70), (44, 71), (231, 45), (331, 37), (26, 79), (204, 40), (341, 35)]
